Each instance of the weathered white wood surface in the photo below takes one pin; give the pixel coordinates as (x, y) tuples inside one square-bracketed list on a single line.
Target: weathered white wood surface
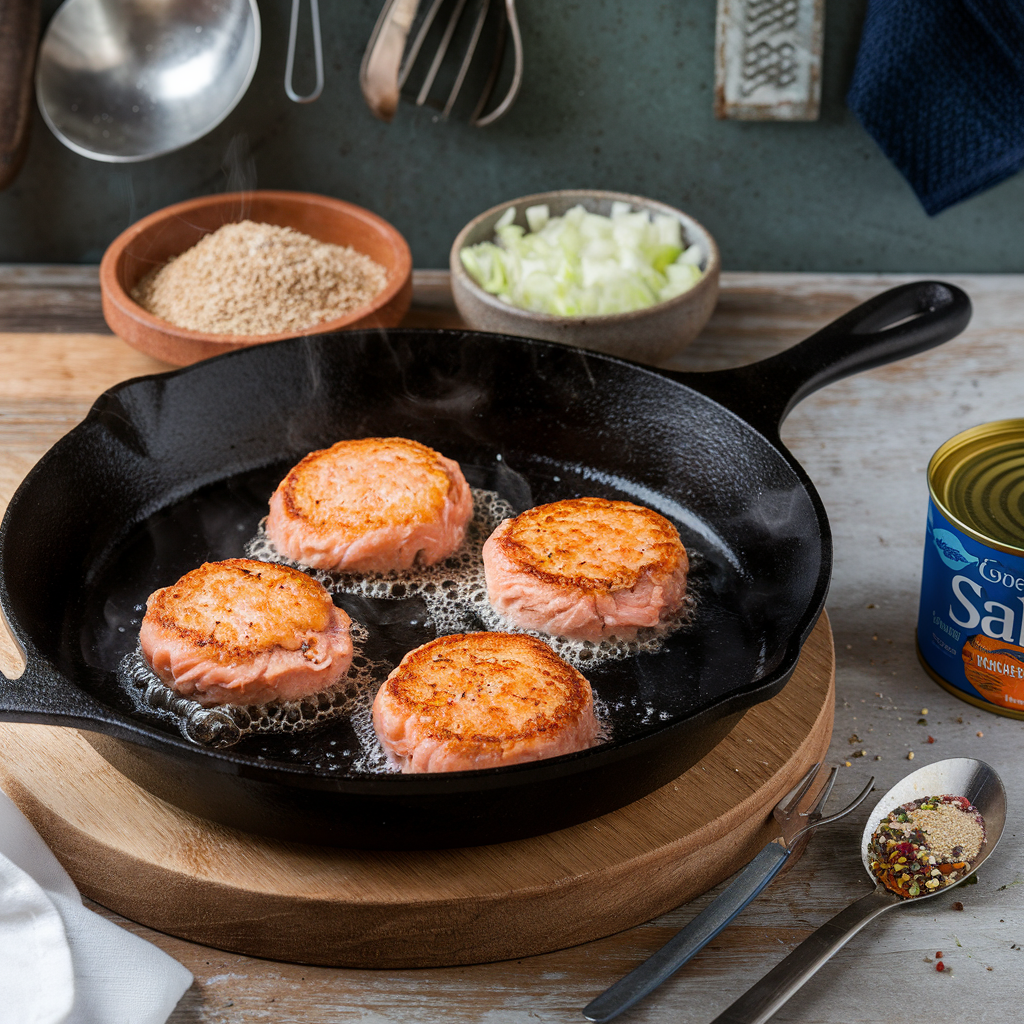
[(865, 442)]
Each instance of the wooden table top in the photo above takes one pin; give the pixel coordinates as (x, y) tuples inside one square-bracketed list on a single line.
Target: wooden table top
[(865, 443)]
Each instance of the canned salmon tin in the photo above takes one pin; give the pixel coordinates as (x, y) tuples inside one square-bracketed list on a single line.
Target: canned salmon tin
[(970, 628)]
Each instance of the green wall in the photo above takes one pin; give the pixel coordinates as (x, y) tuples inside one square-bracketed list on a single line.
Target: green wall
[(617, 94)]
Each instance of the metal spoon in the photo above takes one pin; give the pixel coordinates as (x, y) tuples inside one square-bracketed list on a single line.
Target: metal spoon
[(128, 80), (799, 813), (957, 776)]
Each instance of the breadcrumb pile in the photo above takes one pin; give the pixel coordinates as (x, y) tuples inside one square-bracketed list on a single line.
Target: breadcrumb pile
[(250, 278)]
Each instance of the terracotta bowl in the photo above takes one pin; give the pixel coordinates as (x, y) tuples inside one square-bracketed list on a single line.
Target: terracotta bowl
[(650, 335), (169, 232)]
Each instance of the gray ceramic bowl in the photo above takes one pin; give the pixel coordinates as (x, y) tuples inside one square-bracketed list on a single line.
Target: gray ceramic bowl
[(650, 335)]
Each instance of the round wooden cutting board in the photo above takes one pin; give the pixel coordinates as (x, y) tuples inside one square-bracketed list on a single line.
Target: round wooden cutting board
[(197, 880)]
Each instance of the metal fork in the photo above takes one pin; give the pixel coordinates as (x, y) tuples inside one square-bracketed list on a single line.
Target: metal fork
[(386, 66), (799, 813)]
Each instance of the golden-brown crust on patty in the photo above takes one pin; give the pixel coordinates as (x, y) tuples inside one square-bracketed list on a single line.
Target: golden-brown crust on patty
[(374, 504), (345, 487), (592, 544), (240, 608), (476, 700)]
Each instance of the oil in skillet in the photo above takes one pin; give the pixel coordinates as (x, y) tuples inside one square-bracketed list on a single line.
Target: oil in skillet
[(223, 725), (454, 596), (216, 521), (455, 592)]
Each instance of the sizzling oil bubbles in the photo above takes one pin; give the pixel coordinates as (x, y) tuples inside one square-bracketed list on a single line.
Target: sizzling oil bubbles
[(447, 598), (224, 725), (455, 592)]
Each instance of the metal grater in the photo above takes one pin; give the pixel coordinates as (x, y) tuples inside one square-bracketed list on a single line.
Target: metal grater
[(768, 59)]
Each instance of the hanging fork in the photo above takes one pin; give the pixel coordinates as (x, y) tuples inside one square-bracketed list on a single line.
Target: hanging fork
[(799, 812)]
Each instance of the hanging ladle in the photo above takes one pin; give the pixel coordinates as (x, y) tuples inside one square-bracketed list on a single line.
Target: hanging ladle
[(129, 80)]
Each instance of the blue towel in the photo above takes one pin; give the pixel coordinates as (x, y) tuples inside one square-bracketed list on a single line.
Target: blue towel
[(940, 86)]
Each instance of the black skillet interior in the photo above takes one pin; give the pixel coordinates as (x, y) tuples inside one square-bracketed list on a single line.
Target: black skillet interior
[(533, 422), (172, 470)]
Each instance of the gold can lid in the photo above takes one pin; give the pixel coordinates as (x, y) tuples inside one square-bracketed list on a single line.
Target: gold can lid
[(977, 481)]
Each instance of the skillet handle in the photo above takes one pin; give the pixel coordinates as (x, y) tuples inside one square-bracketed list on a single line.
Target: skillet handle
[(41, 696), (898, 323), (32, 691)]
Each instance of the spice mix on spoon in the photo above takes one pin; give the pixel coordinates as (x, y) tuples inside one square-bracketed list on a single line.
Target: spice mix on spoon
[(926, 844)]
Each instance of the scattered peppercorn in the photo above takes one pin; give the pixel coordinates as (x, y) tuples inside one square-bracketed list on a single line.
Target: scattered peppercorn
[(940, 966), (980, 734), (958, 905), (938, 956)]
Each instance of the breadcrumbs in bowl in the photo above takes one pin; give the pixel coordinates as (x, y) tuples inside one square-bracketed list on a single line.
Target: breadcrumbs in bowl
[(223, 272), (250, 278)]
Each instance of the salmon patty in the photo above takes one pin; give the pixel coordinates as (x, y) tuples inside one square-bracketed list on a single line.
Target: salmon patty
[(586, 568), (375, 504), (245, 632), (482, 700)]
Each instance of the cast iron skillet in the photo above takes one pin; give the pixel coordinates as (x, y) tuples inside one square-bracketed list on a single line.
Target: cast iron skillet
[(170, 470)]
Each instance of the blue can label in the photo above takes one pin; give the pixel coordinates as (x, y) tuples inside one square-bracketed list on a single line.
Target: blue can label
[(970, 627)]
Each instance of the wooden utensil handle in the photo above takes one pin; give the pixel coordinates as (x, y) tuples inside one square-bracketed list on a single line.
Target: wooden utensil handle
[(19, 38)]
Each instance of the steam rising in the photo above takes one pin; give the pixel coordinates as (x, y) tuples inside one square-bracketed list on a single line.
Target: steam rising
[(455, 595), (455, 591), (239, 170)]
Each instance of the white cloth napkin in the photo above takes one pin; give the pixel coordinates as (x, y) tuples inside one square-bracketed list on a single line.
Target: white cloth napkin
[(61, 963)]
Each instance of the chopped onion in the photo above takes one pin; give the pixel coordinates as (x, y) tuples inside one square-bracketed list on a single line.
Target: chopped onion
[(583, 264)]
